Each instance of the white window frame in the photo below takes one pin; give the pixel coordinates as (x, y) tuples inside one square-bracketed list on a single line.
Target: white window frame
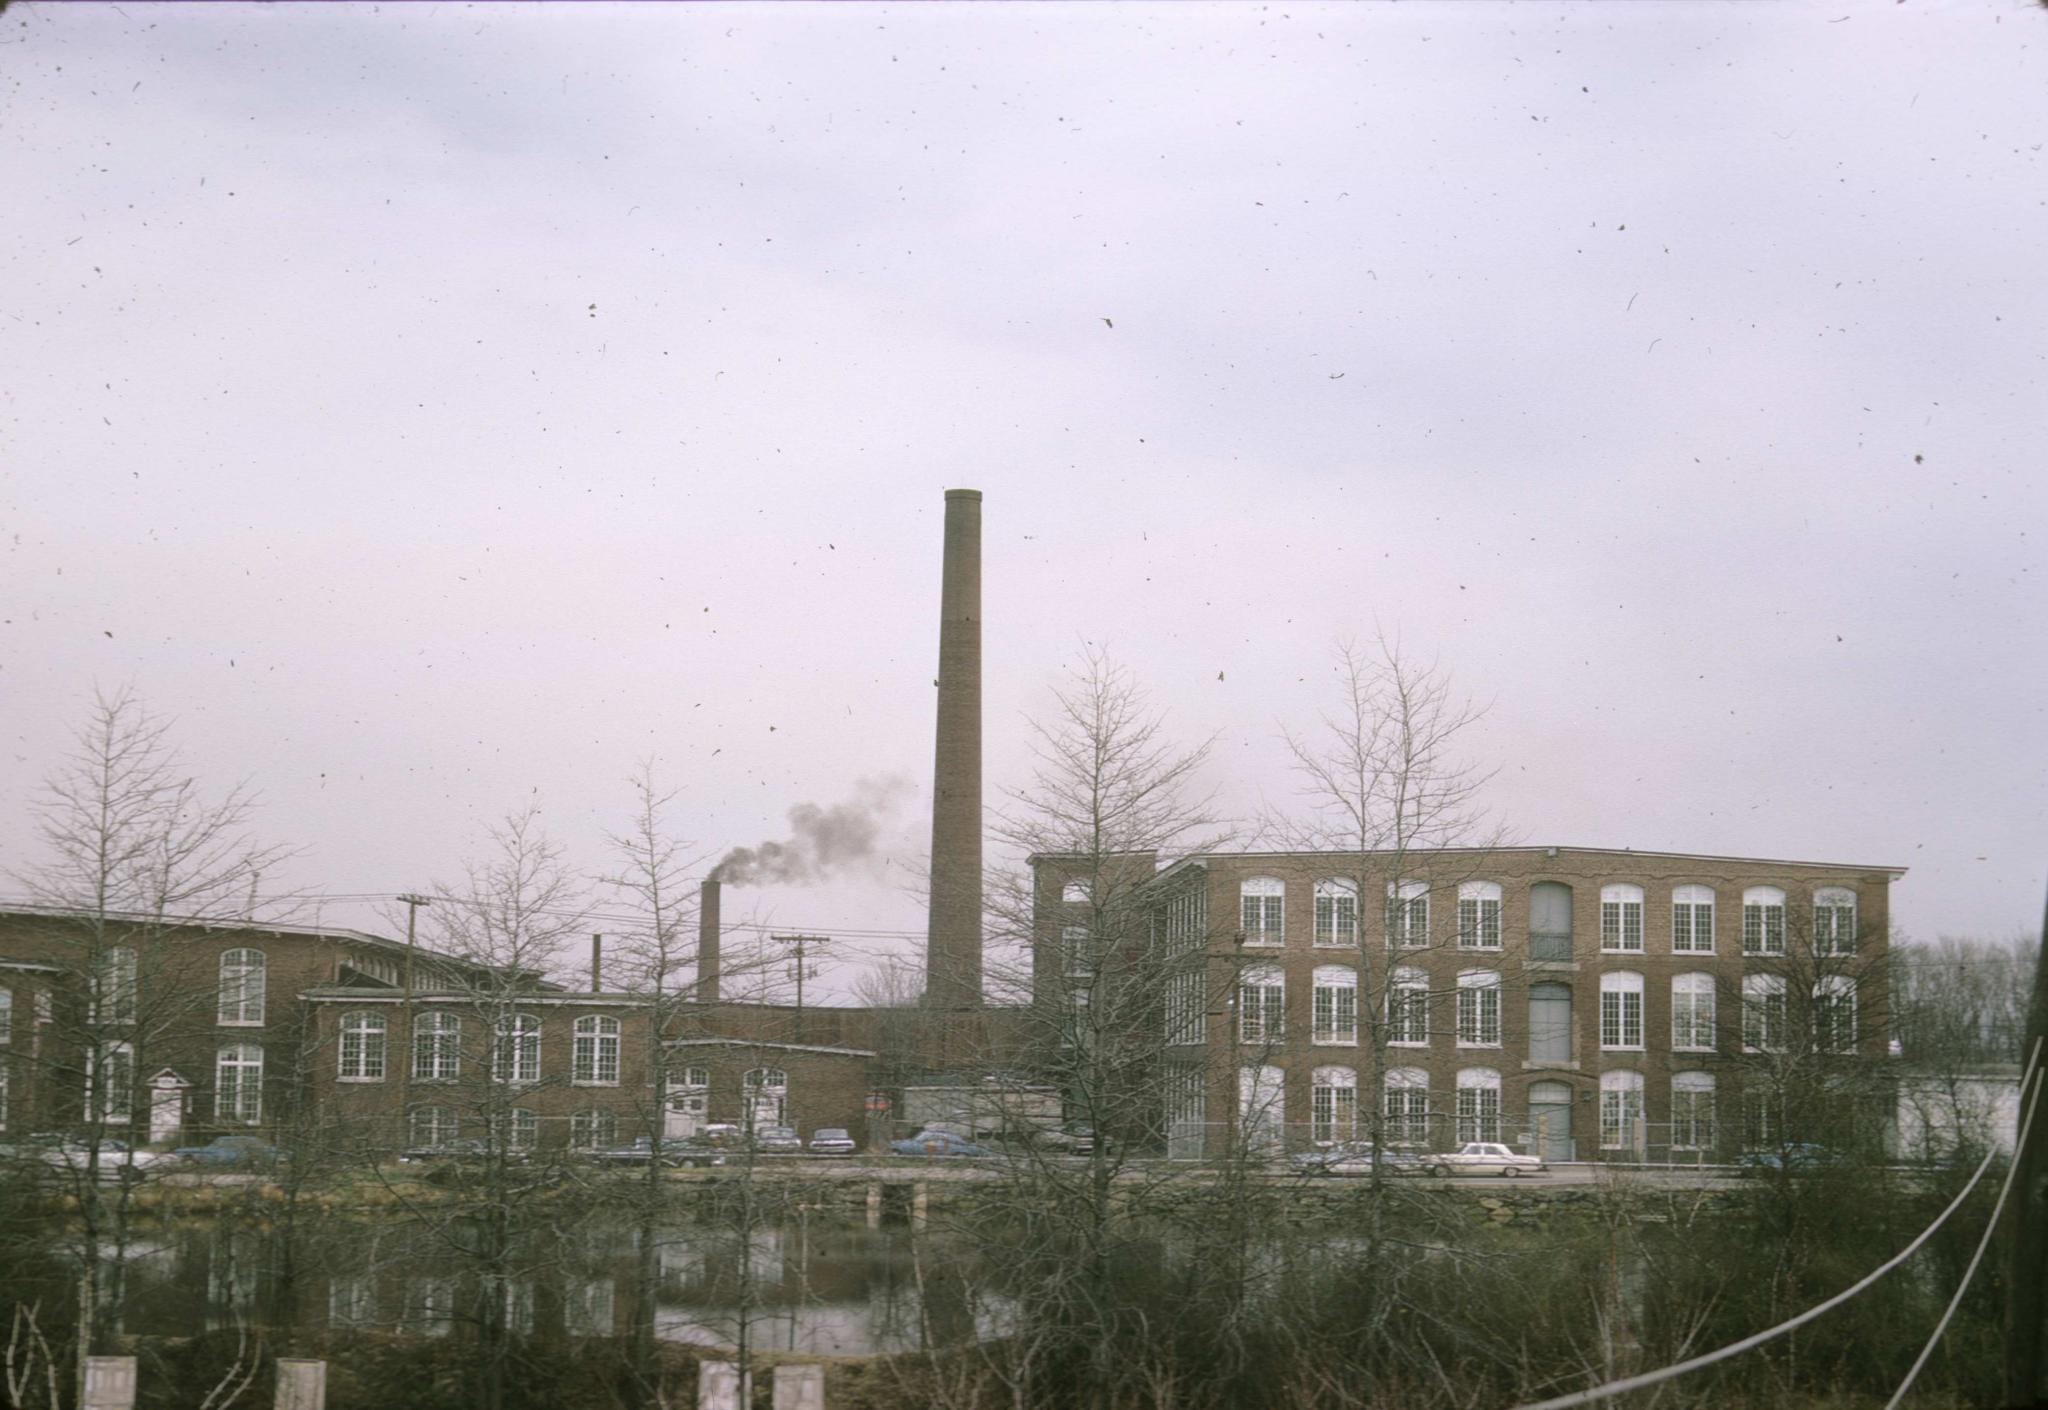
[(364, 1045), (1834, 1014), (6, 1017), (593, 1128), (1694, 1012), (1408, 915), (1621, 1109), (1333, 1104), (1621, 1011), (766, 1092), (1763, 921), (114, 985), (1692, 912), (1262, 1106), (1692, 1111), (594, 1052), (1765, 1012), (520, 1129), (1479, 911), (1478, 1104), (1621, 919), (116, 1070), (515, 1057), (244, 982), (437, 1047), (1408, 1008), (1834, 921), (1184, 1007), (1479, 1004), (238, 1099), (1335, 1006), (1262, 1005), (1405, 1105), (432, 1127), (1262, 910), (1336, 914)]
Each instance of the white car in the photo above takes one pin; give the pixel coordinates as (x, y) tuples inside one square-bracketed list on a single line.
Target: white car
[(117, 1160), (1484, 1158)]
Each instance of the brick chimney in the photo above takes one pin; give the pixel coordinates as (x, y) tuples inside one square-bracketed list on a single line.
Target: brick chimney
[(953, 943), (707, 941)]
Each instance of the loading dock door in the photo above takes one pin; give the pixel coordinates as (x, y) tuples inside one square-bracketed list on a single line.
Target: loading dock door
[(1550, 1116)]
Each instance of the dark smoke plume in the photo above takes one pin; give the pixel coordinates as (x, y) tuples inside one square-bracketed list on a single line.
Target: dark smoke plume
[(822, 840)]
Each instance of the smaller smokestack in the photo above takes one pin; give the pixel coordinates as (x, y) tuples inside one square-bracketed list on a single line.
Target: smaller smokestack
[(707, 942), (597, 964)]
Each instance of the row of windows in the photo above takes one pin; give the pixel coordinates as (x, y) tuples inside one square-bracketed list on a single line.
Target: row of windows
[(1263, 919), (515, 1055), (1333, 1105), (1262, 994)]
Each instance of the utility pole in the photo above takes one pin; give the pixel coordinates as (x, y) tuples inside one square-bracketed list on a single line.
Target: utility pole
[(799, 943), (2027, 1222)]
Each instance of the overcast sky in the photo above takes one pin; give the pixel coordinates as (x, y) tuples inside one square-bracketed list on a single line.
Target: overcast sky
[(440, 409)]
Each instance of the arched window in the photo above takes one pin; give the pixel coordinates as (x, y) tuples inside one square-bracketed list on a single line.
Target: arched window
[(238, 1084), (1408, 914), (1478, 1008), (1407, 1099), (241, 987), (518, 1049), (436, 1047), (1261, 1005), (1621, 918), (1333, 1103), (1834, 921), (593, 1129), (1834, 1014), (6, 1016), (1336, 1005), (1621, 1111), (520, 1130), (1621, 1010), (114, 985), (1478, 1104), (1692, 1012), (432, 1127), (690, 1079), (1692, 920), (1763, 921), (1692, 1111), (1261, 907), (595, 1052), (362, 1047), (1408, 1008), (1479, 915), (1262, 1107), (767, 1093), (1336, 913), (1763, 1013)]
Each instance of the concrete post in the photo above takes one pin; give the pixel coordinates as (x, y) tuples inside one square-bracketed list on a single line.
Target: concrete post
[(920, 1203), (109, 1383), (874, 1204), (718, 1386), (953, 941), (301, 1385)]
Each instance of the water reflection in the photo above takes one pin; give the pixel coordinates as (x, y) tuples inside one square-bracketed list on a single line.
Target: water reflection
[(805, 1286)]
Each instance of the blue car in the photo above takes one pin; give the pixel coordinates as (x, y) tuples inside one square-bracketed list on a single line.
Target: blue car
[(938, 1143), (232, 1150), (1796, 1158)]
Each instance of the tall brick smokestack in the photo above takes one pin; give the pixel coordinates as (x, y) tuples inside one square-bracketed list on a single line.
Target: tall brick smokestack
[(707, 941), (953, 944)]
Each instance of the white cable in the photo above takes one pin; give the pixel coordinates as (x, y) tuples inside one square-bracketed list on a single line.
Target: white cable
[(1990, 1229), (1665, 1373)]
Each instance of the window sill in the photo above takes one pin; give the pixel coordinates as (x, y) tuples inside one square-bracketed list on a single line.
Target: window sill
[(1676, 1048), (359, 1081), (1322, 1041), (1606, 950), (1623, 1048), (238, 1023), (1408, 1043), (1535, 1066), (1474, 1043), (594, 1082)]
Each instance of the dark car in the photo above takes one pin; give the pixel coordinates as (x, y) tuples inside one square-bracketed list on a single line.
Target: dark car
[(669, 1152), (1355, 1158), (243, 1151), (937, 1143), (1797, 1158), (778, 1140), (832, 1140)]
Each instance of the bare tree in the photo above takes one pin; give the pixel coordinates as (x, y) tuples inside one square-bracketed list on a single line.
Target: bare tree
[(136, 860)]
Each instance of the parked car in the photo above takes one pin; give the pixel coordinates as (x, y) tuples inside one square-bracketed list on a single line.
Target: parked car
[(1485, 1158), (1796, 1158), (933, 1142), (1355, 1158), (1069, 1140), (117, 1159), (832, 1140), (244, 1151), (670, 1151), (778, 1140)]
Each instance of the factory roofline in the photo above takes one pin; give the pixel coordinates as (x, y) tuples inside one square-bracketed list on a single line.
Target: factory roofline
[(1420, 854)]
